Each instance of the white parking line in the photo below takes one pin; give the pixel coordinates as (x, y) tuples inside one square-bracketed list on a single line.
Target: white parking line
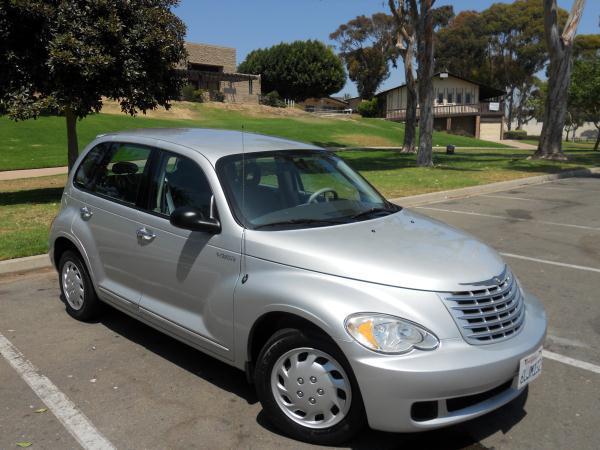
[(74, 421), (553, 263), (571, 361), (518, 219), (556, 187), (509, 197)]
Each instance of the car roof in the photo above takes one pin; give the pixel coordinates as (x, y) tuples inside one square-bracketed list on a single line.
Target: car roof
[(213, 144)]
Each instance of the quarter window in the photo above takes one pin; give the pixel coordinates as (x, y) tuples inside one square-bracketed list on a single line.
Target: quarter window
[(180, 182), (114, 171)]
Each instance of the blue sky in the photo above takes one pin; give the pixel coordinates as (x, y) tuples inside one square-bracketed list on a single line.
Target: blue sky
[(250, 24)]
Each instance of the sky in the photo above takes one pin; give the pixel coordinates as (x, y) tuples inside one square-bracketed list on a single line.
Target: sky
[(250, 24)]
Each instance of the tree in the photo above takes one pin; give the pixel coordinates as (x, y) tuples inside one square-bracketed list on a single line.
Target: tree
[(367, 49), (560, 49), (423, 19), (406, 43), (586, 46), (584, 92), (299, 70), (501, 46), (65, 56)]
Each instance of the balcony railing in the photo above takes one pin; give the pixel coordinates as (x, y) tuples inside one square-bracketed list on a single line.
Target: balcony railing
[(453, 110)]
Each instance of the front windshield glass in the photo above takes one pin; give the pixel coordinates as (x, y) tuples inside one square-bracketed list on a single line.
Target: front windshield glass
[(294, 189)]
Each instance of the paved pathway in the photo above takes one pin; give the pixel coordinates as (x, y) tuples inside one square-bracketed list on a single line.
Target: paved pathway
[(517, 144), (32, 173)]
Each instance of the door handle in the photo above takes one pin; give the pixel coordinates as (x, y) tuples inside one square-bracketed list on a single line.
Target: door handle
[(145, 234), (85, 213)]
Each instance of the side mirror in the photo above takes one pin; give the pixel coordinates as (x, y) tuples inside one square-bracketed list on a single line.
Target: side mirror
[(192, 219)]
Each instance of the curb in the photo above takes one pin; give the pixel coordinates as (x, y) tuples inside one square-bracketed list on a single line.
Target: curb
[(24, 264), (43, 261), (436, 197)]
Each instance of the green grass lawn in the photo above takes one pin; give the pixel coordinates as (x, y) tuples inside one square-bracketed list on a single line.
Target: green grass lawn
[(28, 206), (42, 142)]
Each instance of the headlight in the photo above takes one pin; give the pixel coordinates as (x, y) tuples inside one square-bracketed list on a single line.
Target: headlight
[(389, 334)]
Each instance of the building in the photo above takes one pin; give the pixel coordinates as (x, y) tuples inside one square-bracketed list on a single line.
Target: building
[(213, 68), (460, 106), (325, 104)]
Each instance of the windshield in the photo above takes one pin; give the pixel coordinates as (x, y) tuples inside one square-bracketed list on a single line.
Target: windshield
[(299, 188)]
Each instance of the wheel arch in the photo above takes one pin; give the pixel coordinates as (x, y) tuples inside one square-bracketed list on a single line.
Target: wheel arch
[(268, 324)]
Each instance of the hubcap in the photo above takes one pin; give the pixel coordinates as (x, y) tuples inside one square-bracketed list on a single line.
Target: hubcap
[(311, 388), (72, 283)]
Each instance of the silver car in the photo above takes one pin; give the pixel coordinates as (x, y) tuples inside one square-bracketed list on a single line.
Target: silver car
[(276, 257)]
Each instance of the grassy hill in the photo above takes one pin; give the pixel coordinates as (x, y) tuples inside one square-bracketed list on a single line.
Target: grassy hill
[(42, 142)]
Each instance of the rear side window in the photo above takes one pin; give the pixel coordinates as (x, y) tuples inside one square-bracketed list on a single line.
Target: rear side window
[(114, 171)]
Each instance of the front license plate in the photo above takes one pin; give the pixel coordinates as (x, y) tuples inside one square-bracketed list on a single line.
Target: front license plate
[(530, 368)]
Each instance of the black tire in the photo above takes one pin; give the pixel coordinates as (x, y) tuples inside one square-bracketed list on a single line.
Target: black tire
[(91, 306), (282, 342)]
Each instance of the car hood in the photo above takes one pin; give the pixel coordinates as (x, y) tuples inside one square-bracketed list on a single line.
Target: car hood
[(405, 249)]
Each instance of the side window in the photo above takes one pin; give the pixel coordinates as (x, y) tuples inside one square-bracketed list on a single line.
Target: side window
[(114, 171), (180, 182)]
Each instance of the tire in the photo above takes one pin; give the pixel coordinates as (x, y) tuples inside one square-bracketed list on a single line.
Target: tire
[(77, 290), (309, 389)]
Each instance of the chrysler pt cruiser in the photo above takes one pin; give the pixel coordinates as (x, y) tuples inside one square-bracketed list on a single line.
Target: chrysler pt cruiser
[(276, 257)]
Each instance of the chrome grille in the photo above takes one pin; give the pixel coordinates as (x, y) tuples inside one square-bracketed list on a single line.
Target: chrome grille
[(493, 313)]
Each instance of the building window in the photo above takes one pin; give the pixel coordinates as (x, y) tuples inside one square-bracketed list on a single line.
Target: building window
[(250, 87), (440, 98), (449, 97), (459, 98), (468, 98)]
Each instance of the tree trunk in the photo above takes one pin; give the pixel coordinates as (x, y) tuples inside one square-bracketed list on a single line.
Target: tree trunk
[(72, 146), (410, 124), (511, 101), (425, 75), (597, 144), (560, 49), (550, 144)]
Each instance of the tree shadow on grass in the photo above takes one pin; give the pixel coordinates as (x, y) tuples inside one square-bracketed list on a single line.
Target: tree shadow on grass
[(46, 195)]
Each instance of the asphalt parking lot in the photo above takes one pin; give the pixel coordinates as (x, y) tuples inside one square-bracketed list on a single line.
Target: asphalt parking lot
[(141, 389)]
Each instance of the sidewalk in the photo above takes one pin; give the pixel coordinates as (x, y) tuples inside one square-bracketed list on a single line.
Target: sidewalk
[(32, 173), (516, 143)]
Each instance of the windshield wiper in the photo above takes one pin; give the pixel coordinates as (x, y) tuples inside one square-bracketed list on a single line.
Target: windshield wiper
[(370, 211), (300, 222)]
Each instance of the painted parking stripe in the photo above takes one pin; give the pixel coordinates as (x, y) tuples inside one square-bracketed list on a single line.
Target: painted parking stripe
[(74, 421), (517, 219), (509, 197), (553, 263), (571, 361)]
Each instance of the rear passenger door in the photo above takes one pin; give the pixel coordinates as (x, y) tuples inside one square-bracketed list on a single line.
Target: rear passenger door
[(109, 183), (189, 277)]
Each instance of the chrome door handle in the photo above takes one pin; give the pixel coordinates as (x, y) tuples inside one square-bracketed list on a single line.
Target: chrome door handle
[(145, 234), (85, 213)]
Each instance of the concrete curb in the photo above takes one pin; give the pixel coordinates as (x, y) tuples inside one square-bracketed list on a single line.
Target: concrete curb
[(24, 264), (436, 197), (43, 261)]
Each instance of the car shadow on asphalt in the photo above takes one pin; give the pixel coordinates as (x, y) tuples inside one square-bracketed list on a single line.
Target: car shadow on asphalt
[(463, 436), (194, 361)]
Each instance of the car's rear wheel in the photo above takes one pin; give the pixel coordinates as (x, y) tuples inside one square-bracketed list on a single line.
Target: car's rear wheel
[(76, 288), (307, 388)]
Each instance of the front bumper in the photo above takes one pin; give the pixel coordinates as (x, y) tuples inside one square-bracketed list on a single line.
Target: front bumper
[(391, 384)]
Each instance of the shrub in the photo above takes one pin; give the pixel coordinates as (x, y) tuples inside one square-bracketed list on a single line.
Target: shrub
[(190, 94), (217, 96), (272, 99), (368, 108), (515, 134)]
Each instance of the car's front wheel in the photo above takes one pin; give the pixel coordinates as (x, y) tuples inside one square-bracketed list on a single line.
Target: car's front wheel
[(307, 388)]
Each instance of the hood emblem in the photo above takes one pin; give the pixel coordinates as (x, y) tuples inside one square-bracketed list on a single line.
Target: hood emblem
[(497, 280)]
